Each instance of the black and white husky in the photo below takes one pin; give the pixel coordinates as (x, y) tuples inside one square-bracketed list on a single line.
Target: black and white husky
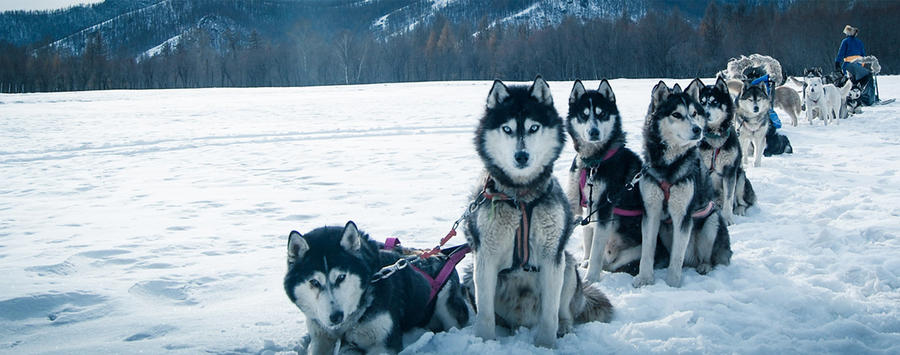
[(677, 192), (330, 278), (600, 181), (753, 106), (720, 151), (522, 274)]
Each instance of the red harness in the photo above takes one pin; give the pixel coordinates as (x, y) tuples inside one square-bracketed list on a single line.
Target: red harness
[(712, 165), (701, 213), (440, 280)]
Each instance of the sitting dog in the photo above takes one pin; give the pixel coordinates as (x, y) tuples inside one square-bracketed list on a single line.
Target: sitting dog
[(753, 122), (331, 278), (720, 151), (677, 192), (599, 175), (522, 274), (854, 106)]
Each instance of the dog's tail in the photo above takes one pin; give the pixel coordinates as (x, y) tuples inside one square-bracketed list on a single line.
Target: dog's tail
[(749, 194), (596, 305)]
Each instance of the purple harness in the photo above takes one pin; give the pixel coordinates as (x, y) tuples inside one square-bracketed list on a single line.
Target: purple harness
[(440, 280)]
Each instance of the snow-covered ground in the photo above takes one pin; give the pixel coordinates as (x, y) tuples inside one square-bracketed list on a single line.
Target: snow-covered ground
[(156, 221)]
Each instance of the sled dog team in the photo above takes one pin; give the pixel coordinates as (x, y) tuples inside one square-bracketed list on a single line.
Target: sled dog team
[(670, 209)]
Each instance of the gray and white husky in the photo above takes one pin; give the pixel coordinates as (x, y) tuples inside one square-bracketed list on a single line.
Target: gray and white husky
[(330, 278), (753, 104), (522, 274), (677, 192), (720, 151), (599, 179)]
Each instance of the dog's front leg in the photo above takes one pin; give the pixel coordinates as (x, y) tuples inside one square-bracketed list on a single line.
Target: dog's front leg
[(550, 278), (682, 223), (602, 230), (486, 270), (653, 199), (745, 142), (759, 145), (729, 184)]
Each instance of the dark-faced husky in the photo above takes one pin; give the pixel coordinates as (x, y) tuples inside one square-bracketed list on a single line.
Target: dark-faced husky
[(600, 181), (522, 274), (720, 151), (753, 105), (330, 278), (678, 194)]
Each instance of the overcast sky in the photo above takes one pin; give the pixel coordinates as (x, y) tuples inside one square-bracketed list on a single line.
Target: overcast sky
[(41, 4)]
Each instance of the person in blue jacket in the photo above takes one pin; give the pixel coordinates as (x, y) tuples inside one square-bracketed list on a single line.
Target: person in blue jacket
[(852, 49)]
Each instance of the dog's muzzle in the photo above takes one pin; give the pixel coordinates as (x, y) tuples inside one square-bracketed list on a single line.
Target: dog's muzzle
[(521, 159)]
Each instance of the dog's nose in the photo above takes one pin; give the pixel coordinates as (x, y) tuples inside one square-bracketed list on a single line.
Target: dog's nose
[(696, 131), (755, 109), (521, 157), (336, 317), (594, 133)]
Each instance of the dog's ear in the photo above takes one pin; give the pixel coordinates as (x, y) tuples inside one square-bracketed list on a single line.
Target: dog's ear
[(577, 91), (350, 240), (541, 91), (297, 246), (721, 85), (606, 91), (693, 88), (676, 89), (659, 94), (498, 94)]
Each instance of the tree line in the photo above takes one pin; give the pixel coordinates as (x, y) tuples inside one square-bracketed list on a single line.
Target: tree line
[(656, 44)]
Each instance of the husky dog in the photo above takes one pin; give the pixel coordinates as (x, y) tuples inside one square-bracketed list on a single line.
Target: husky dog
[(522, 274), (330, 278), (598, 178), (788, 100), (720, 150), (676, 189), (824, 100), (753, 120), (854, 106)]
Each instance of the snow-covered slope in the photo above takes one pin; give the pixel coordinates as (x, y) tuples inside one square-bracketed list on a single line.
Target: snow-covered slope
[(156, 221)]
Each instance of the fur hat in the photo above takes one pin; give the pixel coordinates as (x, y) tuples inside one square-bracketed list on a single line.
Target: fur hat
[(850, 30)]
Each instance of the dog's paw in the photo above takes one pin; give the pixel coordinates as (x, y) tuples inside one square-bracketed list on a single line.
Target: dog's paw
[(729, 218), (565, 327), (740, 210), (592, 277), (642, 280), (485, 331), (545, 338), (673, 280), (584, 264), (757, 164), (704, 268)]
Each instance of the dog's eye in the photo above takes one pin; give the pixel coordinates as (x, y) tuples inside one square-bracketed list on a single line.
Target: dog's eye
[(534, 128), (677, 115), (587, 111), (315, 283), (339, 279), (507, 130), (598, 111)]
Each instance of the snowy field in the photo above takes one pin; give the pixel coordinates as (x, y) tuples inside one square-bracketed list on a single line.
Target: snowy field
[(156, 221)]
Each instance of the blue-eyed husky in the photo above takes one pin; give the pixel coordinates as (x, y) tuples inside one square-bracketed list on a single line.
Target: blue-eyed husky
[(522, 274), (600, 182), (330, 278), (678, 194)]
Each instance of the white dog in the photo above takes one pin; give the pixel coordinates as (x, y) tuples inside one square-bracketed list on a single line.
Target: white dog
[(824, 100)]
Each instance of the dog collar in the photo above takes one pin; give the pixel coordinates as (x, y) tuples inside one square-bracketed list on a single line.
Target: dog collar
[(593, 162), (711, 135)]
